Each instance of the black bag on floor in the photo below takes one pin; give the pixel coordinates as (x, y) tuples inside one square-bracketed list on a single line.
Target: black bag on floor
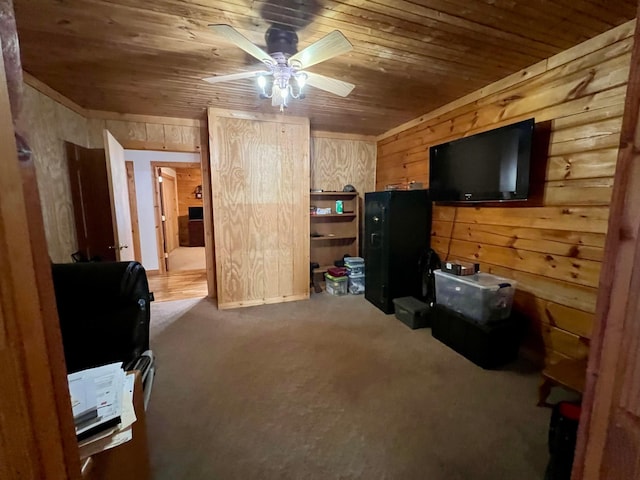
[(104, 312), (563, 432)]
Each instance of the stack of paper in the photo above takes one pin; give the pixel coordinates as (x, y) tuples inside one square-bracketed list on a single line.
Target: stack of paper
[(102, 402)]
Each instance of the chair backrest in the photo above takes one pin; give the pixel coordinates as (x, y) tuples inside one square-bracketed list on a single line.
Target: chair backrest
[(104, 312)]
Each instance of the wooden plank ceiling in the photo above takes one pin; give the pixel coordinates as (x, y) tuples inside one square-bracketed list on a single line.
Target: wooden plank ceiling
[(409, 57)]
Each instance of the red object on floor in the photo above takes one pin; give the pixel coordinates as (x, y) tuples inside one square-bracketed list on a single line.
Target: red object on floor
[(570, 410)]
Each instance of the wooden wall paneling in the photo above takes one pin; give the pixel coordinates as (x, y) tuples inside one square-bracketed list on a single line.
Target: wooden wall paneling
[(155, 132), (609, 434), (141, 132), (568, 87), (590, 164), (49, 92), (36, 425), (341, 159), (188, 179), (49, 125), (336, 162), (260, 207)]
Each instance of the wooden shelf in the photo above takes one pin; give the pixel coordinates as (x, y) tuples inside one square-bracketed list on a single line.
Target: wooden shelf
[(333, 194), (568, 373), (339, 231), (333, 215), (335, 237)]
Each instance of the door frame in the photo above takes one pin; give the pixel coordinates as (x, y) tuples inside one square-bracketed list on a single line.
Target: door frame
[(157, 199), (205, 167), (133, 207)]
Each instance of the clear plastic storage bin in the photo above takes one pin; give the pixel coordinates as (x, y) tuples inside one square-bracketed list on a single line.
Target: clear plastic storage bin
[(355, 265), (356, 284), (335, 285), (481, 297)]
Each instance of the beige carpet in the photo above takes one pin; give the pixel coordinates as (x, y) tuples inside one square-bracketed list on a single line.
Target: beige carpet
[(187, 258), (331, 388)]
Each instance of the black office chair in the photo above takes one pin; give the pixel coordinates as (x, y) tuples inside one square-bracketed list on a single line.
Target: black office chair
[(104, 316)]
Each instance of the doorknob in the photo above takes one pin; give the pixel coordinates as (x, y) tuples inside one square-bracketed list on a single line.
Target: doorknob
[(118, 247)]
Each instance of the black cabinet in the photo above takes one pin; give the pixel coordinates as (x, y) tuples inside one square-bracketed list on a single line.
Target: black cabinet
[(397, 232)]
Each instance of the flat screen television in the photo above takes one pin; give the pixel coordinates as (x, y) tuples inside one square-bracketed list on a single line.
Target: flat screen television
[(195, 213), (486, 167)]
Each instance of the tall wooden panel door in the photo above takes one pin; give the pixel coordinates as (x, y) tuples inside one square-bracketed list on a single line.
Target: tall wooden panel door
[(169, 191), (260, 187), (119, 192)]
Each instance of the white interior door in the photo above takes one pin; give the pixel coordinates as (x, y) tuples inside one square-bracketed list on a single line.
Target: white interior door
[(119, 193)]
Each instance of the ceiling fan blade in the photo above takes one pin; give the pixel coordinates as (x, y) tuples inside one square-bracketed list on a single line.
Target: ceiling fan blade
[(329, 46), (234, 76), (329, 84), (235, 37)]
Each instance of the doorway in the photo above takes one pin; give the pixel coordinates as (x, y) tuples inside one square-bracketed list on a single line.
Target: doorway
[(179, 216)]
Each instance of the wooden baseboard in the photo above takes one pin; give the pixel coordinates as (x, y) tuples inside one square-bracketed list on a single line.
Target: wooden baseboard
[(262, 301), (151, 273)]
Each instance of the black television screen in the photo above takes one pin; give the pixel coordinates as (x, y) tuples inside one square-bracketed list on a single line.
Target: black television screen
[(489, 166), (195, 213)]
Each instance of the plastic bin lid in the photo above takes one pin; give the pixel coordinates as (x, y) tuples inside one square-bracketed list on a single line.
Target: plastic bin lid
[(335, 279), (353, 260), (479, 280)]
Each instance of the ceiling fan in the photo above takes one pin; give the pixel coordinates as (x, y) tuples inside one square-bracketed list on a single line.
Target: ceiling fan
[(283, 64)]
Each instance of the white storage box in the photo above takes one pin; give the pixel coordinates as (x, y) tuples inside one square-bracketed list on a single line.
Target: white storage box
[(481, 297)]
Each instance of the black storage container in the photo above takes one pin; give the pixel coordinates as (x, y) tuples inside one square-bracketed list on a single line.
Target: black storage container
[(489, 346), (412, 312), (397, 232)]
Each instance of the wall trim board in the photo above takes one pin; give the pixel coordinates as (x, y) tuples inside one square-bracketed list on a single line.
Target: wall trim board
[(52, 94), (621, 32), (260, 117), (159, 146), (133, 117), (266, 301), (342, 136)]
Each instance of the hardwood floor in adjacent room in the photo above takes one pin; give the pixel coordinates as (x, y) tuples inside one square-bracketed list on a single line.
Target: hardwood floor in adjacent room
[(179, 285)]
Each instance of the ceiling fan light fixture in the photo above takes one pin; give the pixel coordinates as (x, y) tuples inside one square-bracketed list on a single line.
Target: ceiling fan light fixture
[(301, 79), (283, 63)]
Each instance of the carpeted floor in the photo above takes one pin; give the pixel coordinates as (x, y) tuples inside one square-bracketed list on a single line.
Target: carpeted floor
[(331, 388)]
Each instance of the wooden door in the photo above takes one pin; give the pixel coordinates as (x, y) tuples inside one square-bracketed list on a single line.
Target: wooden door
[(119, 198), (133, 208), (260, 184), (169, 191), (609, 436), (91, 202)]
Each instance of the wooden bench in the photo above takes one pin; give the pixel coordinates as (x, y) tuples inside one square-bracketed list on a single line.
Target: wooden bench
[(568, 373)]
